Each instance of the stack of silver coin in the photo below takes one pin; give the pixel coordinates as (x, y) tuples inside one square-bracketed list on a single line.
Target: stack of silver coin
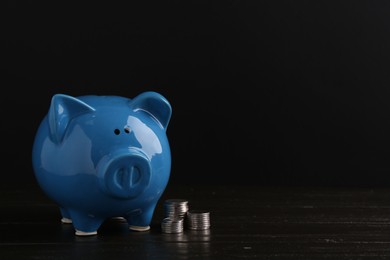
[(177, 213), (175, 208), (172, 225), (198, 219), (174, 213)]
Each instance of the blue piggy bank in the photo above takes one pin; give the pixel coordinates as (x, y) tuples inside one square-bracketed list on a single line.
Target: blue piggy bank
[(100, 157)]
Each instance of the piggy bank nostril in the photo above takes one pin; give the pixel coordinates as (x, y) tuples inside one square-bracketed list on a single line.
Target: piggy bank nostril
[(135, 176), (120, 178)]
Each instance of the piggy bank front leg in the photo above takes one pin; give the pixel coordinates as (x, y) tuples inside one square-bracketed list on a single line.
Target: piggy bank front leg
[(139, 219), (85, 224)]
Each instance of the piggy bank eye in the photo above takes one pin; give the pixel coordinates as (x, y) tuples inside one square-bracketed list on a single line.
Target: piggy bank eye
[(117, 131), (127, 130)]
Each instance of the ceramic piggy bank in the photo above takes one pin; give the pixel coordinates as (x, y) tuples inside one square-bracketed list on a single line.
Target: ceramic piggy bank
[(100, 157)]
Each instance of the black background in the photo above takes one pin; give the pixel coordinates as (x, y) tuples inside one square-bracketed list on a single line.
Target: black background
[(263, 92)]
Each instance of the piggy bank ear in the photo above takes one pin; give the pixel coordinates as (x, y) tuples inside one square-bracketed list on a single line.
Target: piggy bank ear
[(63, 109), (154, 104)]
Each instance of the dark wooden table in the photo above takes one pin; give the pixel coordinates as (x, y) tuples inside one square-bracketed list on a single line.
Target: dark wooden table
[(246, 222)]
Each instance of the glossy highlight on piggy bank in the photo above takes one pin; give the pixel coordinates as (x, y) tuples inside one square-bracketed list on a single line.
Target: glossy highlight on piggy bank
[(101, 157)]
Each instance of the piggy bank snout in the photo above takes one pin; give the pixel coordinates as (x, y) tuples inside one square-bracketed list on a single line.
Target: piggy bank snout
[(125, 173)]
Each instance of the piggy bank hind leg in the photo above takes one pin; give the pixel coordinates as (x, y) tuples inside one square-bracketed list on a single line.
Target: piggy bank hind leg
[(139, 219), (84, 224), (66, 219)]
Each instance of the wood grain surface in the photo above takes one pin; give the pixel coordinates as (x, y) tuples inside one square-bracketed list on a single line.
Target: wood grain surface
[(246, 222)]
